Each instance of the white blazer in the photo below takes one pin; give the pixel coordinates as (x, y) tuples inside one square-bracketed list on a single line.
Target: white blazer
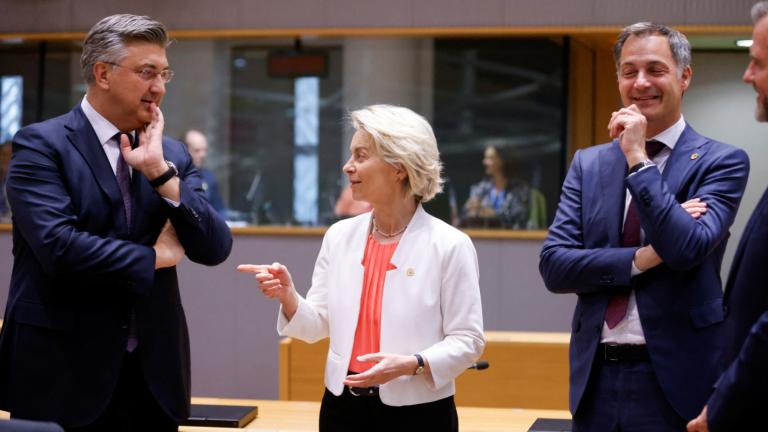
[(430, 305)]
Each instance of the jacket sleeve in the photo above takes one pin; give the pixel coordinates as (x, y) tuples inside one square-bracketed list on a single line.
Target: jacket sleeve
[(45, 218), (310, 322), (462, 315), (743, 389), (566, 264), (680, 240), (205, 236)]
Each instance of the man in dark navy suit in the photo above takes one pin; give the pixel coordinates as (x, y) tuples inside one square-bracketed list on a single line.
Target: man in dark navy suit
[(197, 144), (741, 394), (639, 236), (104, 207)]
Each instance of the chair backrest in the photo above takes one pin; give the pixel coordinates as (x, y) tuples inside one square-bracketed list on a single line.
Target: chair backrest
[(527, 370)]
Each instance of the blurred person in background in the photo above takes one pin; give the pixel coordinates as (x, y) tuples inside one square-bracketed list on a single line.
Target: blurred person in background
[(197, 144), (502, 200)]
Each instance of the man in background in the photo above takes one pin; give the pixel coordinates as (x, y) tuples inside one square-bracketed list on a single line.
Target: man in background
[(645, 341), (197, 144), (104, 207), (739, 401)]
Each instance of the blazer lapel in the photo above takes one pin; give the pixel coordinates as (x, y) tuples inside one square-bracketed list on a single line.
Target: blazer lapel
[(688, 150), (613, 170), (84, 139)]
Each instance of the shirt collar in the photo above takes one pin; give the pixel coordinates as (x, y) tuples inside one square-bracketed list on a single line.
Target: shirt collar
[(104, 129), (670, 135)]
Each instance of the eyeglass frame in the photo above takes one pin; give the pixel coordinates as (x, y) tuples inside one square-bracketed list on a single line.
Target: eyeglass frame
[(142, 73)]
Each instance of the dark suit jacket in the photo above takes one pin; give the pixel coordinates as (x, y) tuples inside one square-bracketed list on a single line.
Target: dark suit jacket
[(78, 274), (742, 391), (679, 301)]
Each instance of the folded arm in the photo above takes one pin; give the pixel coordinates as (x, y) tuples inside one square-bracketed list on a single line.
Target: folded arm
[(680, 240)]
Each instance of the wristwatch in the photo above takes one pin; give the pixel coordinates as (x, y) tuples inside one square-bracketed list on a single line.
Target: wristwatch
[(420, 369), (637, 167), (164, 177)]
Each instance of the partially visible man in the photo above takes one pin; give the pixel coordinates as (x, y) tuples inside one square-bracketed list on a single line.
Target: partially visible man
[(645, 342), (104, 207), (741, 396), (197, 144), (5, 159)]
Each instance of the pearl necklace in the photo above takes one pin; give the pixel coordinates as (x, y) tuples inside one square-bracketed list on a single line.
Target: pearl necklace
[(382, 233)]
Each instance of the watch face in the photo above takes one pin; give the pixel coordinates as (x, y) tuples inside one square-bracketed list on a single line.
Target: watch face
[(172, 166)]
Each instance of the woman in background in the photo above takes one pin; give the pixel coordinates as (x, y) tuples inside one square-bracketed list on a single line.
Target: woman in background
[(500, 200), (395, 289)]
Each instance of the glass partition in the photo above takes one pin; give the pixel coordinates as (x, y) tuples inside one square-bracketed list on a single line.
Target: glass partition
[(273, 112)]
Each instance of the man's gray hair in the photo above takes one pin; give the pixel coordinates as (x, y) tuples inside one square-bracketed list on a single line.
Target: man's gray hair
[(678, 43), (106, 40), (759, 10)]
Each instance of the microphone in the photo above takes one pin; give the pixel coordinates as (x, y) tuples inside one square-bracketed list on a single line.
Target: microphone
[(480, 365)]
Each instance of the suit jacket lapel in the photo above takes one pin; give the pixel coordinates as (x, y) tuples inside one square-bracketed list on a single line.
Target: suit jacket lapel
[(613, 170), (84, 139), (688, 150)]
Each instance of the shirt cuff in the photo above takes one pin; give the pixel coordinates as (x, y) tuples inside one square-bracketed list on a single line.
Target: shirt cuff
[(652, 164), (172, 202), (635, 271)]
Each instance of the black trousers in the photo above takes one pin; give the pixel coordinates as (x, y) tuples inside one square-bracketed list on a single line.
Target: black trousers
[(368, 413), (133, 408)]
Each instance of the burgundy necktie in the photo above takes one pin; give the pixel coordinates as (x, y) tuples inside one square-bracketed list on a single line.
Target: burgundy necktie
[(630, 236), (124, 181), (123, 174)]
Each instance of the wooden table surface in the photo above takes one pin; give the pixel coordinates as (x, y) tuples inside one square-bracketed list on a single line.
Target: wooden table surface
[(277, 416), (302, 416)]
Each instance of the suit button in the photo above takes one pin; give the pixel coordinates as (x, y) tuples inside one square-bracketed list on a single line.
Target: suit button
[(725, 311)]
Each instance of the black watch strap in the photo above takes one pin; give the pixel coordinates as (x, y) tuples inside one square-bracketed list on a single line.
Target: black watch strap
[(637, 167), (164, 177), (420, 368)]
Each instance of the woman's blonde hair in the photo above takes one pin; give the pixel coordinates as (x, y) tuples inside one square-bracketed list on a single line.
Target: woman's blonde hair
[(401, 136)]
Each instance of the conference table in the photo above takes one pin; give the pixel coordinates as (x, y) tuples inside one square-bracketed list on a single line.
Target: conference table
[(281, 415)]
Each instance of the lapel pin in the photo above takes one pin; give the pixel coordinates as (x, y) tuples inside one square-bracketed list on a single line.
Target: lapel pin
[(694, 156), (410, 272)]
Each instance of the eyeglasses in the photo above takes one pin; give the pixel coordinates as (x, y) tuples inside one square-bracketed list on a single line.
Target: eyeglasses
[(148, 73)]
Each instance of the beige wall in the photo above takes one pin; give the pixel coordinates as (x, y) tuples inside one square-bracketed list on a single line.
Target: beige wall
[(80, 15)]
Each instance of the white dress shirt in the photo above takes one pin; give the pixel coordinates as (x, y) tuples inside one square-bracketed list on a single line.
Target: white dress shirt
[(629, 330), (105, 131)]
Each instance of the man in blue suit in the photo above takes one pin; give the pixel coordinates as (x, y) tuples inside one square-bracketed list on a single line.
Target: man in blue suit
[(104, 206), (741, 393), (645, 342)]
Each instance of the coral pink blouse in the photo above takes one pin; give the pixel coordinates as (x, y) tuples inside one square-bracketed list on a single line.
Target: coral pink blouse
[(368, 334)]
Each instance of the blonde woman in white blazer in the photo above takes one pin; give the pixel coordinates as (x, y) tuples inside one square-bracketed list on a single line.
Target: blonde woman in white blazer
[(395, 289)]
